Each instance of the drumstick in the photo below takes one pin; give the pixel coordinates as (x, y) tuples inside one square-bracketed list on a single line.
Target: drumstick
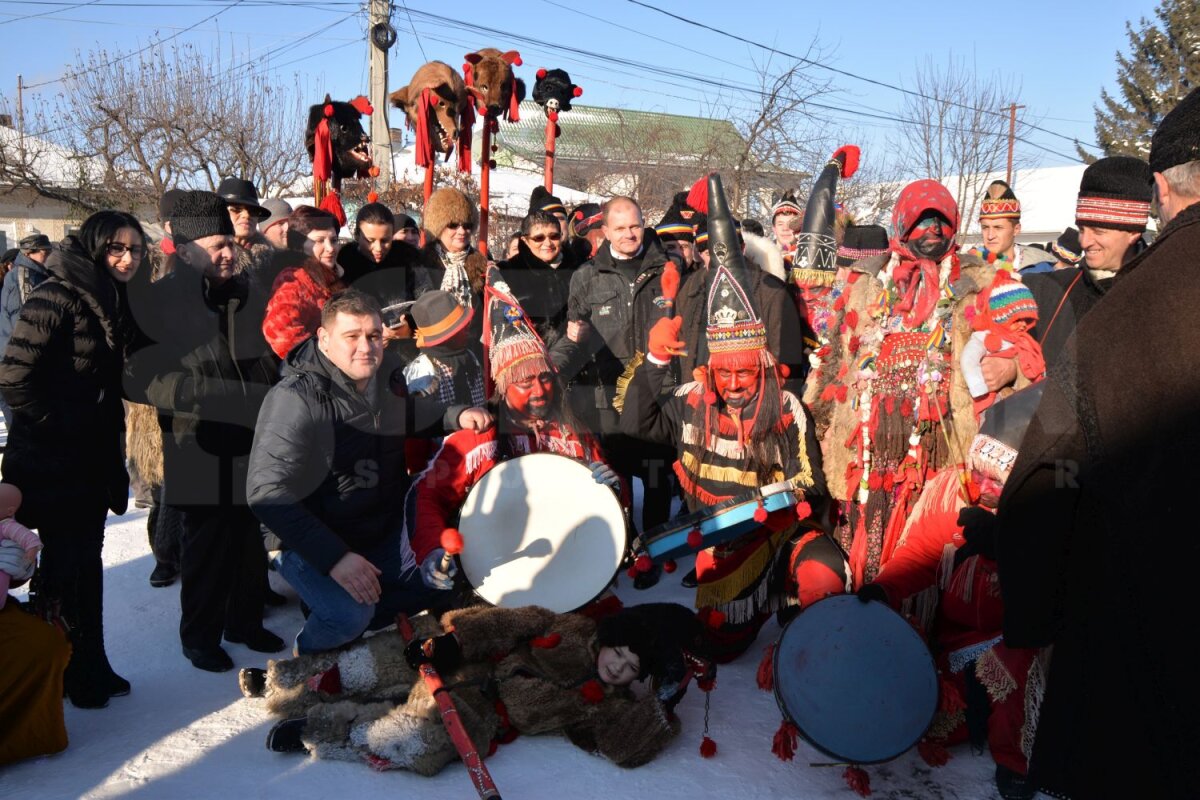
[(476, 769), (452, 543)]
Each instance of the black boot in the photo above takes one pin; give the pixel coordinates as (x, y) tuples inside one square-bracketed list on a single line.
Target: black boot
[(252, 681), (285, 736), (163, 575), (1013, 785), (688, 581)]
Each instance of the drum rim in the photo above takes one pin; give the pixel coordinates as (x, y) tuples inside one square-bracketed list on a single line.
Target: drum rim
[(807, 738), (616, 498)]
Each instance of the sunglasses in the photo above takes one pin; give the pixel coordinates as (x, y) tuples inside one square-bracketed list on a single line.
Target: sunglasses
[(466, 226), (117, 249), (541, 237)]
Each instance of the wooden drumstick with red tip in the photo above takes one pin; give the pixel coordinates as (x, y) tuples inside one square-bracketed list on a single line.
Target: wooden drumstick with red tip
[(452, 543)]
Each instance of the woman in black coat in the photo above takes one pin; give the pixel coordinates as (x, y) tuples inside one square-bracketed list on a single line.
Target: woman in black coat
[(539, 275), (61, 375)]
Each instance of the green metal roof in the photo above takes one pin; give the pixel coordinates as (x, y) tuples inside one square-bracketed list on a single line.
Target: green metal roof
[(591, 133)]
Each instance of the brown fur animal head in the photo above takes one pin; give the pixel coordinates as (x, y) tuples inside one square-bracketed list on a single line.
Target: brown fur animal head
[(449, 98), (492, 83)]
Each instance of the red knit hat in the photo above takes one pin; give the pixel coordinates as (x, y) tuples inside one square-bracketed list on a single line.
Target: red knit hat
[(514, 349)]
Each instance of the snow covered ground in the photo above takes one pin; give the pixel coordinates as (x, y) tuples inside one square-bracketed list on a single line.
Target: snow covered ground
[(184, 733)]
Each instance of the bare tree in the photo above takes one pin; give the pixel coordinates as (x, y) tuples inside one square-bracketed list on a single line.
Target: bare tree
[(958, 131), (125, 128)]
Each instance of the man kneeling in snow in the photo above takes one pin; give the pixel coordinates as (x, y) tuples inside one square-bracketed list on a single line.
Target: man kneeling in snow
[(523, 670)]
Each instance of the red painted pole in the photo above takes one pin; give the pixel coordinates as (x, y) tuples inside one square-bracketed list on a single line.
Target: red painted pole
[(551, 135), (485, 169)]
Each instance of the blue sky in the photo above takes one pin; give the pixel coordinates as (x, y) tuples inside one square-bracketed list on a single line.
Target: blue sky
[(1060, 54)]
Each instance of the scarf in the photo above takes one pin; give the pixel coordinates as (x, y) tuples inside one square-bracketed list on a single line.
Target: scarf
[(455, 280), (916, 277)]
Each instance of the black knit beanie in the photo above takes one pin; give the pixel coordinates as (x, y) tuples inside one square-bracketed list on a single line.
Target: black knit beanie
[(1177, 140)]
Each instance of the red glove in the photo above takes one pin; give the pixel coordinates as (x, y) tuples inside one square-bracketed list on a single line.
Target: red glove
[(664, 339)]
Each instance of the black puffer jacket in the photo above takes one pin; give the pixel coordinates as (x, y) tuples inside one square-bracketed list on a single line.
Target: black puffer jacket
[(399, 279), (542, 289), (61, 374), (205, 365), (327, 474)]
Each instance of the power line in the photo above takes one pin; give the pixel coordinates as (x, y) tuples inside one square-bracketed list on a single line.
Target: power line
[(47, 13), (865, 79), (136, 52)]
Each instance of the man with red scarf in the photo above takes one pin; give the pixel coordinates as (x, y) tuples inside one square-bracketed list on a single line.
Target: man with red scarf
[(901, 410), (735, 431)]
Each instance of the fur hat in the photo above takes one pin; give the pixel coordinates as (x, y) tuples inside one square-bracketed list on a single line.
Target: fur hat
[(1067, 247), (199, 214), (542, 200), (861, 241), (438, 317), (1177, 140), (658, 633), (1115, 193), (1000, 203), (447, 205), (166, 203), (585, 218), (514, 349)]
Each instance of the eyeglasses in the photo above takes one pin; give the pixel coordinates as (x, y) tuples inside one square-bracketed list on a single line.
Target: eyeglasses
[(541, 237), (237, 211), (466, 226), (117, 249)]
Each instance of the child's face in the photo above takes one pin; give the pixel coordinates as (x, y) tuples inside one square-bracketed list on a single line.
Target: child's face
[(1020, 325), (618, 666)]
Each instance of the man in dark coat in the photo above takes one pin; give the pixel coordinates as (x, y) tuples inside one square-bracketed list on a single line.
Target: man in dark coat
[(615, 299), (207, 369), (327, 475), (1096, 511), (1111, 212)]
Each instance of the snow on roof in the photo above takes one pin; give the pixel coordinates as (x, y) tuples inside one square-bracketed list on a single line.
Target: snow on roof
[(53, 164)]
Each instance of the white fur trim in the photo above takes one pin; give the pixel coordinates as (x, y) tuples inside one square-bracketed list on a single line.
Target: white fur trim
[(765, 254), (357, 669), (397, 736)]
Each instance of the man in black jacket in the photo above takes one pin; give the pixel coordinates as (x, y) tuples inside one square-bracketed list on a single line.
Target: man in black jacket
[(614, 300), (207, 369), (328, 477)]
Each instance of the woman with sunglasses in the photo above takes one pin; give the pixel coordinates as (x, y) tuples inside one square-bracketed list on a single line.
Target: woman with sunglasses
[(448, 260), (540, 274), (62, 374)]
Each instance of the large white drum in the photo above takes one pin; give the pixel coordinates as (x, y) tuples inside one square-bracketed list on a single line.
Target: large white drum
[(538, 530)]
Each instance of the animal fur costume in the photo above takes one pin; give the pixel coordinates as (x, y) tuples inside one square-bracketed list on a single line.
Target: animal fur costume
[(490, 79), (524, 670), (886, 434), (338, 147), (438, 107)]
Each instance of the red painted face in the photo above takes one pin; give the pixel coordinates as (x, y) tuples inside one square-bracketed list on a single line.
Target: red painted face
[(531, 397), (737, 387)]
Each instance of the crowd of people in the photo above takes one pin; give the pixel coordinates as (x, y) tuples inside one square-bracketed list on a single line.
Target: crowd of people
[(992, 441)]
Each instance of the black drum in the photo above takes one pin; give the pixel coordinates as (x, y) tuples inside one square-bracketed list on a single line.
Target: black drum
[(856, 679)]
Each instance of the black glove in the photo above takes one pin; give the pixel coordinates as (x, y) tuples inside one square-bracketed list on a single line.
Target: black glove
[(980, 531), (872, 591), (443, 652)]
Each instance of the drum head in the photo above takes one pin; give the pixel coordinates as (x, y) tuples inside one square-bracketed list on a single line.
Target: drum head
[(538, 530), (856, 679)]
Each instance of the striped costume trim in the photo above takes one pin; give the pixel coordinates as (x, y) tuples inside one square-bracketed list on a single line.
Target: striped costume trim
[(1102, 211), (857, 254)]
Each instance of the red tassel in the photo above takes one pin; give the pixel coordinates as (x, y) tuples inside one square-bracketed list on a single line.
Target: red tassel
[(933, 753), (577, 91), (328, 109), (829, 393), (840, 303), (452, 541), (333, 204), (850, 158), (765, 677), (906, 408), (874, 482), (706, 684), (714, 619), (669, 566), (362, 105), (784, 744), (784, 370), (803, 510), (592, 691), (695, 539), (329, 681), (858, 780), (708, 748), (950, 699), (546, 642), (710, 397), (541, 73), (643, 563), (855, 342), (698, 195), (372, 197), (760, 513), (322, 152), (852, 319), (842, 393)]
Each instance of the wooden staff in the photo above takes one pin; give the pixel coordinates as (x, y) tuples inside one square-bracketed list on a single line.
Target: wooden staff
[(551, 135), (485, 170), (476, 769)]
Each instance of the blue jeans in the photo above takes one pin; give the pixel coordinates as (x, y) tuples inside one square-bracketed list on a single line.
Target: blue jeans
[(337, 618)]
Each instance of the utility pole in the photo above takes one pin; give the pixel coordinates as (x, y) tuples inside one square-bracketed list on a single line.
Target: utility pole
[(381, 36), (1012, 137), (21, 117)]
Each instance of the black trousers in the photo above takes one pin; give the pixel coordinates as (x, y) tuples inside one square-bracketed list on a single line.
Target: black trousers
[(70, 579), (222, 574), (163, 525), (652, 463)]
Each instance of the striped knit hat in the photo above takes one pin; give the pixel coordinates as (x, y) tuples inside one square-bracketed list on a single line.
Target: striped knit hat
[(788, 204), (514, 350), (1000, 203), (678, 224), (1010, 300), (1115, 193)]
